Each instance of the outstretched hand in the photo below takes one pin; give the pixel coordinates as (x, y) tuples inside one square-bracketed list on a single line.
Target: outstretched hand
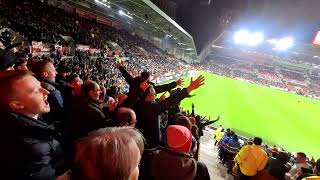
[(119, 64), (180, 82), (195, 84), (163, 96)]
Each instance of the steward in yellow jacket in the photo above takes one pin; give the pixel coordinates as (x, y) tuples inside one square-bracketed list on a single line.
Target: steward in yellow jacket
[(252, 158)]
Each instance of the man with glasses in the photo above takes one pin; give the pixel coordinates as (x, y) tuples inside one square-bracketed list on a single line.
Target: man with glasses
[(85, 113)]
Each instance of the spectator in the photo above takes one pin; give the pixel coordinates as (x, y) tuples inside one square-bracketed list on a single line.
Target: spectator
[(72, 88), (231, 149), (31, 147), (301, 162), (251, 159), (7, 60), (22, 62), (176, 156), (148, 110), (61, 77), (277, 167), (184, 121), (136, 89), (46, 73), (126, 117), (85, 113), (110, 153)]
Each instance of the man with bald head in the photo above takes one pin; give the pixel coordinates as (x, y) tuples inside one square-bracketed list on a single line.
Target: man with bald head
[(126, 117)]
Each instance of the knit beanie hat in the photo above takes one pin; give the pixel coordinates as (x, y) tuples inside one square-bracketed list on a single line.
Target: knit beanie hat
[(179, 138)]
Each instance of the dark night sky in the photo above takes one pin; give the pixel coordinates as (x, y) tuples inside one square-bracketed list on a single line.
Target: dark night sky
[(276, 18)]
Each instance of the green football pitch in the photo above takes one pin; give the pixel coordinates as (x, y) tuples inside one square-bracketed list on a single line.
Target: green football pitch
[(280, 118)]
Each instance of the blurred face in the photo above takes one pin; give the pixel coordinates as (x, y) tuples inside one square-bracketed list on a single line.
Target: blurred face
[(23, 66), (151, 96), (29, 98), (300, 159), (112, 103), (136, 161), (50, 72), (95, 93), (144, 85), (76, 83)]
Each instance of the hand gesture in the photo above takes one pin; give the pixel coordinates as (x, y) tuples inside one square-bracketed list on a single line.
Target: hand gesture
[(180, 82), (119, 64), (195, 84), (163, 96)]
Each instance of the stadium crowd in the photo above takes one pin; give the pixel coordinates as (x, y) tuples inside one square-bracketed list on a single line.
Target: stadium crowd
[(94, 116), (251, 159), (267, 75)]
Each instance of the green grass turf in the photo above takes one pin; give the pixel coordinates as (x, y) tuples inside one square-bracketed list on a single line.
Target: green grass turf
[(280, 118)]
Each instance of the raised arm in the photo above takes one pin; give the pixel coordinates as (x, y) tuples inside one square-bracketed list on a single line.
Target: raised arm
[(127, 76), (169, 86), (165, 104)]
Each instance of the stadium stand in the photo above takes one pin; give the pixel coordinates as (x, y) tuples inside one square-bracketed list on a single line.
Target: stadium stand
[(66, 124)]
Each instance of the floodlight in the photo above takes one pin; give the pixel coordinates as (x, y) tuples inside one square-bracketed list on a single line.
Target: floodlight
[(255, 39), (241, 36), (284, 43)]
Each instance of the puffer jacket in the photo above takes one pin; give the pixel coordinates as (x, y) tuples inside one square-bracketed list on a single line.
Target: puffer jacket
[(29, 148)]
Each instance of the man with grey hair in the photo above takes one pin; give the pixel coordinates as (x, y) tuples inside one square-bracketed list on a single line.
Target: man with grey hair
[(110, 153)]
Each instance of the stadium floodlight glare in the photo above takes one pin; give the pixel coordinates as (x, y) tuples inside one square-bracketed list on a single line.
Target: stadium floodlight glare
[(241, 36), (121, 12), (255, 39), (124, 14), (103, 4), (284, 43)]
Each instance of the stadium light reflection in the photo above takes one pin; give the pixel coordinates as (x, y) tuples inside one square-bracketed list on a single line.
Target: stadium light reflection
[(124, 14), (284, 44), (103, 3), (245, 37)]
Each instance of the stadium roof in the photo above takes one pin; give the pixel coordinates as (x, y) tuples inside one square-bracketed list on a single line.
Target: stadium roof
[(148, 16), (153, 17)]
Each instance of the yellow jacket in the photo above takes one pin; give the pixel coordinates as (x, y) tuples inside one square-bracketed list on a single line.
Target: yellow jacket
[(218, 135), (312, 178), (251, 159)]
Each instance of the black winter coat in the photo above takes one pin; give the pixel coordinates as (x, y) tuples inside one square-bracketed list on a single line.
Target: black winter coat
[(84, 116), (149, 120), (29, 149)]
